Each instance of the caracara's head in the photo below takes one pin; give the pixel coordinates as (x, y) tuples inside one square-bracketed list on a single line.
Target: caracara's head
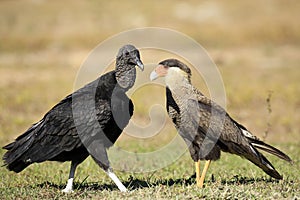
[(173, 70)]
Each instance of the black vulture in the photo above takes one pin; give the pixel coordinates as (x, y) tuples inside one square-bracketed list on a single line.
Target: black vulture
[(206, 127), (87, 122)]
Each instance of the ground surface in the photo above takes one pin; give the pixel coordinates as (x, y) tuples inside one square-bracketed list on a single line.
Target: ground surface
[(254, 44)]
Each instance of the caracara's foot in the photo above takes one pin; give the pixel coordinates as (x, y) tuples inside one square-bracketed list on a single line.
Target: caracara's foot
[(200, 183), (200, 179)]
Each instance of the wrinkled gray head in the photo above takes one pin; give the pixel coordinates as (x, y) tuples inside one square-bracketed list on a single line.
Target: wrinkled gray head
[(129, 55)]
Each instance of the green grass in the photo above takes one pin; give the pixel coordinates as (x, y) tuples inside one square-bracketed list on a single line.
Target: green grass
[(230, 177), (254, 44)]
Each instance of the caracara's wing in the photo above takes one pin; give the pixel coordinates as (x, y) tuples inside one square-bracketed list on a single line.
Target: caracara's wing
[(232, 137)]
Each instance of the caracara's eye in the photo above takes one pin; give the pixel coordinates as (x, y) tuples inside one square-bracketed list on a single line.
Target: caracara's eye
[(166, 67)]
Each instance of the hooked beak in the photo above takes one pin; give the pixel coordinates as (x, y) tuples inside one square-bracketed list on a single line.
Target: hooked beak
[(153, 75), (139, 64), (159, 71)]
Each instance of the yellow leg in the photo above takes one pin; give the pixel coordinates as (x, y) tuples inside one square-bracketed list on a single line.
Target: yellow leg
[(197, 165), (201, 181)]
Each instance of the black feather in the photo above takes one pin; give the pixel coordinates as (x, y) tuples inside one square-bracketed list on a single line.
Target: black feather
[(56, 137)]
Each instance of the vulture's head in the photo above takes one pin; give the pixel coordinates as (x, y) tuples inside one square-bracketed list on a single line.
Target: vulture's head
[(174, 71), (128, 55)]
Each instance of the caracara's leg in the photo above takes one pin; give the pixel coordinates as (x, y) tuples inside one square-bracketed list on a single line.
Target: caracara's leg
[(201, 181), (197, 165), (69, 186)]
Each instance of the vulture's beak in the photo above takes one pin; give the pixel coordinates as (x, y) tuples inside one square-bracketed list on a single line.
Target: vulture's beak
[(139, 64), (159, 71)]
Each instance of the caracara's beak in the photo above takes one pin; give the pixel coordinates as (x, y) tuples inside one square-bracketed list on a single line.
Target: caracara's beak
[(159, 71), (153, 75)]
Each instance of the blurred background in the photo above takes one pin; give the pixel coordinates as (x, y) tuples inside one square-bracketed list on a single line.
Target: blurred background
[(255, 45)]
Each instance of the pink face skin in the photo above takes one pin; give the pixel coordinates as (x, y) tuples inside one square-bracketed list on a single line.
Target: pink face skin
[(161, 70)]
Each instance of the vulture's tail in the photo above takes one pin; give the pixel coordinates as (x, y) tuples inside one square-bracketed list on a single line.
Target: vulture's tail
[(15, 158)]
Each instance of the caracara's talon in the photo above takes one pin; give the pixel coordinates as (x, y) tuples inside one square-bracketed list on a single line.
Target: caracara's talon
[(200, 179), (192, 113), (200, 182), (200, 185)]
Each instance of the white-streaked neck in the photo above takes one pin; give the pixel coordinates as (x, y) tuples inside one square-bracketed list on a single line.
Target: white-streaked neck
[(177, 81)]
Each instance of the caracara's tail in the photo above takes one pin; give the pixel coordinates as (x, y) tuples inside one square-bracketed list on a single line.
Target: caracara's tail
[(272, 150), (260, 160)]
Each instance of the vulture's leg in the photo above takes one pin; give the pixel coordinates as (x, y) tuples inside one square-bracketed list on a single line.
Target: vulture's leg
[(115, 179), (201, 181), (69, 186), (102, 161), (197, 165)]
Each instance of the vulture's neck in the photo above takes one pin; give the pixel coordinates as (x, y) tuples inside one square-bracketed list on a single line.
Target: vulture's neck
[(125, 75)]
